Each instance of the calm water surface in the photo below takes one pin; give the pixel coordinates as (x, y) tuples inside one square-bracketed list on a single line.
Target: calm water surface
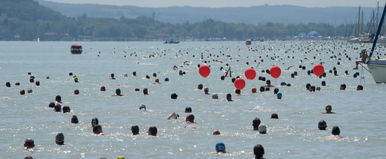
[(361, 115)]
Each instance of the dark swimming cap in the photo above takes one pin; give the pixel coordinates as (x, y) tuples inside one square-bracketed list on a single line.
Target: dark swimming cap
[(220, 147)]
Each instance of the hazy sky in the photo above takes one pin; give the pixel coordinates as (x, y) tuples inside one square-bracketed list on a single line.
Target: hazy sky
[(230, 3)]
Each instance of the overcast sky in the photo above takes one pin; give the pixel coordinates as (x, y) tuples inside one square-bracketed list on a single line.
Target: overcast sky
[(229, 3)]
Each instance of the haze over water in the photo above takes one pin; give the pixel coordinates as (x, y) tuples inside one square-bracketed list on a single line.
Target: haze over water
[(359, 114)]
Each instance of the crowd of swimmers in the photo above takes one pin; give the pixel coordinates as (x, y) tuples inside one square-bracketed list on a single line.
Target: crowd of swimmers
[(190, 118), (258, 150)]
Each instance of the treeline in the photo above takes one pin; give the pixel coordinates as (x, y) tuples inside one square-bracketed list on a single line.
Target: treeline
[(27, 20)]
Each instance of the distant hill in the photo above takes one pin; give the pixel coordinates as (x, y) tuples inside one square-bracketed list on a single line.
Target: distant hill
[(28, 10), (28, 20), (284, 14)]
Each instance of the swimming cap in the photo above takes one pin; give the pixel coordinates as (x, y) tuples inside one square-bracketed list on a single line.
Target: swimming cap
[(262, 129), (120, 157), (220, 147), (279, 95)]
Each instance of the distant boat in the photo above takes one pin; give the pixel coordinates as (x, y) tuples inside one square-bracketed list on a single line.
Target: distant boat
[(377, 67), (248, 42), (171, 42), (76, 49)]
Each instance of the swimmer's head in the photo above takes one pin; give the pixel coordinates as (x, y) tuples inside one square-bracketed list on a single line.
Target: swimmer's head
[(335, 130), (359, 88), (94, 122), (145, 91), (51, 105), (237, 91), (220, 147), (152, 131), (276, 90), (66, 109), (258, 151), (262, 129), (188, 110), (22, 92), (322, 125), (253, 90), (97, 129), (58, 98), (206, 90), (214, 96), (58, 108), (59, 139), (29, 143), (328, 108), (142, 107), (229, 97), (28, 157), (255, 123), (274, 116), (279, 95), (120, 157), (216, 132), (74, 119), (76, 92), (173, 96), (135, 130), (118, 92), (190, 118), (103, 88)]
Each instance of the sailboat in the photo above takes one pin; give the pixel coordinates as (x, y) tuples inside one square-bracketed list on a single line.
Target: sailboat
[(377, 67)]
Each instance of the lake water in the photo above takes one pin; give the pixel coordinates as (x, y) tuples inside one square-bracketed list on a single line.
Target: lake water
[(361, 115)]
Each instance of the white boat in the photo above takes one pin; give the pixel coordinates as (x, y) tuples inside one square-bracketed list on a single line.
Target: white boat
[(377, 67)]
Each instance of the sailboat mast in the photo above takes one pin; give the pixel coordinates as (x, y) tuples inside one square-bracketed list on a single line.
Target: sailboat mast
[(378, 32)]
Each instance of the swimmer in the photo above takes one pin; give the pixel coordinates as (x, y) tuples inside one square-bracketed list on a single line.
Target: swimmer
[(220, 148), (255, 123), (268, 84), (145, 91), (118, 92), (188, 110), (142, 107), (135, 130), (28, 157), (59, 139), (97, 130), (120, 157), (229, 97), (262, 129), (336, 131), (322, 125), (94, 122), (206, 91), (216, 132), (258, 151), (103, 88), (328, 109), (279, 95), (58, 99), (274, 116), (29, 143), (66, 109), (152, 131), (190, 119), (173, 96), (174, 115), (74, 119), (200, 86)]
